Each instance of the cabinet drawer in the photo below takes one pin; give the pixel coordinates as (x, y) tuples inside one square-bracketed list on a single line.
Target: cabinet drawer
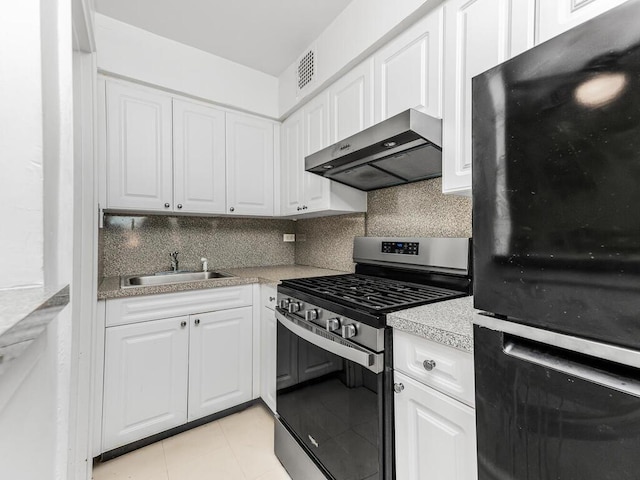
[(268, 296), (122, 311), (453, 370)]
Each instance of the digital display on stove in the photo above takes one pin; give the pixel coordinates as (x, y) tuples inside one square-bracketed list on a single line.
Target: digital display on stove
[(402, 248)]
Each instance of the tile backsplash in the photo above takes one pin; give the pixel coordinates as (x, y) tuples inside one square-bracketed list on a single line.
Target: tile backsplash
[(415, 210), (141, 244), (418, 210), (327, 242)]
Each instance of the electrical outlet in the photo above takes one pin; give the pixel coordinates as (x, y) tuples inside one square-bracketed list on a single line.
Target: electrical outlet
[(289, 237)]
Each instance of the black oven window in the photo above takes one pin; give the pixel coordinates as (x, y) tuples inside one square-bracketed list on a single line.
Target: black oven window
[(331, 405)]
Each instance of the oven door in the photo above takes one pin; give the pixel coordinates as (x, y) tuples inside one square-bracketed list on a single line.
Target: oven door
[(330, 400)]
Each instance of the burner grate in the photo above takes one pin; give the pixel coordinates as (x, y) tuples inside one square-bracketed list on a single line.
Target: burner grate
[(372, 292)]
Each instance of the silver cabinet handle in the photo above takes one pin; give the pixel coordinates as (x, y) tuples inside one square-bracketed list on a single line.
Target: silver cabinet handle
[(167, 205), (197, 321), (179, 205), (429, 365), (398, 387), (183, 324), (271, 299), (231, 209), (299, 208)]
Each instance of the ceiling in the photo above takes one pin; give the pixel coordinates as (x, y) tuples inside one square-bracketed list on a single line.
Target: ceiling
[(267, 35)]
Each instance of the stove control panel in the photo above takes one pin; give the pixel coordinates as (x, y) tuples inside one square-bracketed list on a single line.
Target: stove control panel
[(402, 248)]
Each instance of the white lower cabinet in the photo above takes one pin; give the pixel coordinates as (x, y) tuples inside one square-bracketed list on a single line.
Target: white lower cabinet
[(219, 361), (145, 380), (268, 346), (435, 435), (435, 430), (268, 356), (160, 373)]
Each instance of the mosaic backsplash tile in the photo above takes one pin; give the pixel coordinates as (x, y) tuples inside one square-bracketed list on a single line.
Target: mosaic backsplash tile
[(141, 244), (418, 210), (327, 242)]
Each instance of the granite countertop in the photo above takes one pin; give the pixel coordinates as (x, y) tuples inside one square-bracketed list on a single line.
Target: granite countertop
[(24, 315), (448, 323), (110, 286)]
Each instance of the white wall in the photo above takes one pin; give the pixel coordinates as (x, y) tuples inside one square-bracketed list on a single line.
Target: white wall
[(57, 101), (35, 58), (140, 55), (358, 31), (20, 145)]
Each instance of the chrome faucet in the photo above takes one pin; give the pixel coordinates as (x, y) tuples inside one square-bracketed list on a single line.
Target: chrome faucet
[(174, 261)]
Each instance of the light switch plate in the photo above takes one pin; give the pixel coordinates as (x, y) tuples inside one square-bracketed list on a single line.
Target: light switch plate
[(289, 237)]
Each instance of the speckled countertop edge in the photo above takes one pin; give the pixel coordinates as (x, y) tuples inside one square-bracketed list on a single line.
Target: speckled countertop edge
[(110, 286), (17, 306), (449, 323)]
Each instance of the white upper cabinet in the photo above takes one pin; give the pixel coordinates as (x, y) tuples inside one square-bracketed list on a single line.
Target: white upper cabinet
[(557, 16), (198, 158), (250, 165), (292, 164), (408, 70), (138, 143), (479, 34), (317, 190), (304, 132), (351, 102)]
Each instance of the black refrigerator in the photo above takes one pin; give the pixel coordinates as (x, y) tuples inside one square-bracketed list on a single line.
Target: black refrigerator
[(556, 228)]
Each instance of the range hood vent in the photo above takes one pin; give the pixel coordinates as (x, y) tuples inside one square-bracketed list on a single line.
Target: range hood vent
[(402, 149)]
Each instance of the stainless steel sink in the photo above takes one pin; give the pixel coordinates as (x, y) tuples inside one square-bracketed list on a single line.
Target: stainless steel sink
[(167, 278)]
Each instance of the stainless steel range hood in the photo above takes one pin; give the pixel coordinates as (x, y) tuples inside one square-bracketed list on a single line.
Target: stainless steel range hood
[(402, 149)]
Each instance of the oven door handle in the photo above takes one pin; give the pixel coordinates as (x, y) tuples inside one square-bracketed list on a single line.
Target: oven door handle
[(332, 343)]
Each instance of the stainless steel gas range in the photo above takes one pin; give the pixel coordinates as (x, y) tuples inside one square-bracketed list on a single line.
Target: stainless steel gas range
[(334, 362)]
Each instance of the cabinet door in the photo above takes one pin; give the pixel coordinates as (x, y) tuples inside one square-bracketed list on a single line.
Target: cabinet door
[(408, 70), (268, 358), (250, 168), (557, 16), (351, 102), (435, 435), (479, 34), (139, 166), (145, 380), (220, 361), (317, 189), (198, 158), (292, 166)]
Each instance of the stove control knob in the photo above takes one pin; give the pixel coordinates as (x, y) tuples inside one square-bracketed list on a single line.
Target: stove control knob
[(284, 303), (312, 314), (332, 324), (294, 307), (349, 331)]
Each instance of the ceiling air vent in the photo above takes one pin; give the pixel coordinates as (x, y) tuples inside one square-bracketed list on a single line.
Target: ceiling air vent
[(306, 70)]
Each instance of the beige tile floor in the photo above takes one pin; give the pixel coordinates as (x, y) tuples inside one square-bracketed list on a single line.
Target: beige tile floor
[(237, 447)]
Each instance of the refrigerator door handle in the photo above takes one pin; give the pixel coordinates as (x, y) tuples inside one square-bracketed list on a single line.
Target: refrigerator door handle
[(547, 357)]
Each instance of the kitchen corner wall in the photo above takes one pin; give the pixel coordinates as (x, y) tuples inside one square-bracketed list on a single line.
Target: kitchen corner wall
[(327, 242), (415, 210), (141, 244), (418, 210)]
